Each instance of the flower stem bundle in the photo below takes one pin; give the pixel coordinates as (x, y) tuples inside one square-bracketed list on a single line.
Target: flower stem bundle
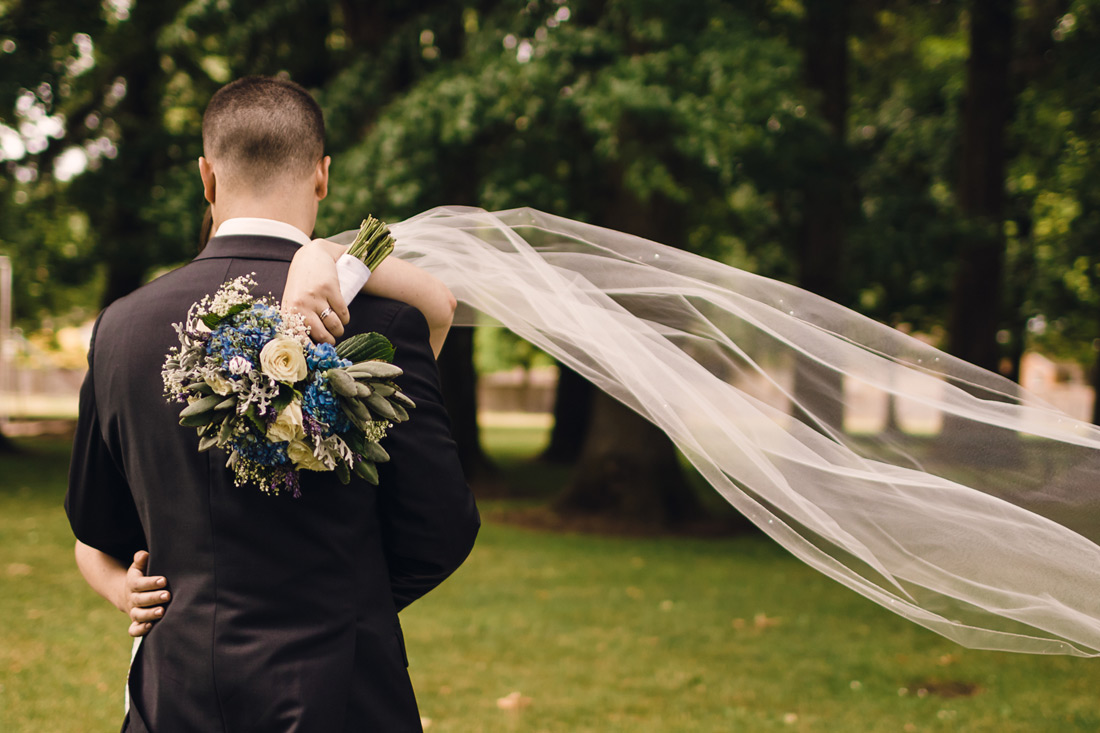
[(373, 244)]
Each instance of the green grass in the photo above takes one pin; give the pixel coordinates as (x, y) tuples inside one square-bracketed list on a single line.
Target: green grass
[(602, 633)]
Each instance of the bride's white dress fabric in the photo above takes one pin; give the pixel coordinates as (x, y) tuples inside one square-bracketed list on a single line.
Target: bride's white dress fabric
[(985, 529)]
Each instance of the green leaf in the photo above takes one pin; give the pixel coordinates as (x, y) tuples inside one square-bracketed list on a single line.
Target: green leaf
[(198, 420), (284, 398), (227, 404), (367, 471), (253, 414), (200, 406), (375, 453), (226, 430), (342, 472), (200, 387), (355, 441), (366, 347), (212, 320)]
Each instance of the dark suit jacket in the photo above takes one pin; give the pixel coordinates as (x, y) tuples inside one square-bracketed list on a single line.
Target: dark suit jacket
[(284, 611)]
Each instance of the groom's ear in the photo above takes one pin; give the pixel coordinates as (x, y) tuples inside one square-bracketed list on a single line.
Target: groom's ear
[(320, 177), (206, 172)]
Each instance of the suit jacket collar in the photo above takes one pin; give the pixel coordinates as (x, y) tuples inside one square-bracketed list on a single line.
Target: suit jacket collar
[(249, 247)]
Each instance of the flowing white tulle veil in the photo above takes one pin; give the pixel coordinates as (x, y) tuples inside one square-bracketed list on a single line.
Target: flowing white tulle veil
[(977, 515)]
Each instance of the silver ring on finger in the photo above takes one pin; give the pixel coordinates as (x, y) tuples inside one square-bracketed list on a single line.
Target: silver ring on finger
[(326, 312)]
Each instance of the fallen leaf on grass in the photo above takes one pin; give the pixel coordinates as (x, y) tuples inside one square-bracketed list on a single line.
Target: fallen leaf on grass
[(760, 622), (763, 621), (513, 701), (945, 688)]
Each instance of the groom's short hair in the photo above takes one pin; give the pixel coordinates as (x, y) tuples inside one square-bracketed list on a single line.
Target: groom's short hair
[(263, 128)]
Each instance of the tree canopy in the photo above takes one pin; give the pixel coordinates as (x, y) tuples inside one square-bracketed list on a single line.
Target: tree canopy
[(691, 124)]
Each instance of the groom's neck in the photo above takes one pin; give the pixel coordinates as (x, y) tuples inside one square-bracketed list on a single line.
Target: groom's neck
[(298, 213)]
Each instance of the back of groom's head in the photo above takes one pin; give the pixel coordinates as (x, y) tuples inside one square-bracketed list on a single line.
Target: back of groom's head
[(260, 130)]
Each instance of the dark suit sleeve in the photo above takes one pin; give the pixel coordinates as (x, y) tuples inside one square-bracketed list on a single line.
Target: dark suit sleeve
[(99, 504), (429, 519)]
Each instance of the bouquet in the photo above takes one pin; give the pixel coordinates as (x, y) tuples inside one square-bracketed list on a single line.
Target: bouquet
[(255, 385)]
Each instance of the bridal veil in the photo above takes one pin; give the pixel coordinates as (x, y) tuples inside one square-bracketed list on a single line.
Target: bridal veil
[(973, 510)]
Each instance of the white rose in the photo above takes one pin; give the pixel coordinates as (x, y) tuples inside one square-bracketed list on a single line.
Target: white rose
[(219, 384), (303, 457), (288, 425), (282, 360)]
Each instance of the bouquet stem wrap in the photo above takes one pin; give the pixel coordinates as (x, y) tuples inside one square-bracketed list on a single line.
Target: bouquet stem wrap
[(371, 246), (353, 275)]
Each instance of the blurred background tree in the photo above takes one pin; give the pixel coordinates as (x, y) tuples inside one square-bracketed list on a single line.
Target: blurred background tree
[(836, 145)]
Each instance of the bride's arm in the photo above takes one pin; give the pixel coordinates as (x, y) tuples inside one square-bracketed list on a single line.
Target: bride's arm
[(312, 286)]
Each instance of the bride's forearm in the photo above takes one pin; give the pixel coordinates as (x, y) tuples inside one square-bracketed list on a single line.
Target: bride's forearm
[(410, 284), (105, 574)]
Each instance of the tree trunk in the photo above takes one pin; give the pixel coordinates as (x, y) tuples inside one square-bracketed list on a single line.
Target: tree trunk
[(459, 383), (1096, 391), (572, 408), (628, 469), (979, 277), (827, 198), (976, 301)]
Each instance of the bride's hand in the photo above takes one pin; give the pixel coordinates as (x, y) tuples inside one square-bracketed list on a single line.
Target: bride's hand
[(146, 596), (313, 289)]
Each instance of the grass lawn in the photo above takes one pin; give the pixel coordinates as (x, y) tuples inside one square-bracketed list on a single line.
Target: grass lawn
[(600, 633)]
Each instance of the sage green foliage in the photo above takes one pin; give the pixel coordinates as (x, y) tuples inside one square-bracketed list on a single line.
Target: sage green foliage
[(604, 634)]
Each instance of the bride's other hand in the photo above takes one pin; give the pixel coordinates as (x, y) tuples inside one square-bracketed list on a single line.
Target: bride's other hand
[(312, 288), (146, 595), (141, 597)]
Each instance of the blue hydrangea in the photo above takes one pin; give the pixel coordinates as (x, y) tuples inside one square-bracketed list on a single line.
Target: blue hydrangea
[(262, 452), (323, 356), (319, 402), (244, 334)]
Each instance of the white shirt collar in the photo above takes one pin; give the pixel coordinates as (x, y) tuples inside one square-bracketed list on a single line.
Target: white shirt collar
[(265, 227)]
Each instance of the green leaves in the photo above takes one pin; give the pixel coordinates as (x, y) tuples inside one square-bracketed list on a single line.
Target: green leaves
[(211, 320), (201, 405), (366, 347)]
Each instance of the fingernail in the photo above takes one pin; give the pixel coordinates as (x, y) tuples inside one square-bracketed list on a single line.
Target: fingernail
[(160, 581), (164, 596), (158, 612)]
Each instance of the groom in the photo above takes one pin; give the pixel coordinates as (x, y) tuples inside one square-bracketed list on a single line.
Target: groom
[(284, 611)]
